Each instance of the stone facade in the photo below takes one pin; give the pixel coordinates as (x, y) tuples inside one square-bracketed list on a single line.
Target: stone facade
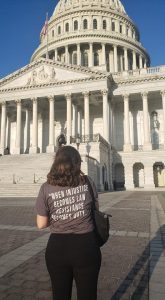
[(90, 78)]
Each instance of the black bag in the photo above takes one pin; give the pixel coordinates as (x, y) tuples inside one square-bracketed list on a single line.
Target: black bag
[(100, 220)]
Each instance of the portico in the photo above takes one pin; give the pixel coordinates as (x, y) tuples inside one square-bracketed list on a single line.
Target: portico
[(45, 106)]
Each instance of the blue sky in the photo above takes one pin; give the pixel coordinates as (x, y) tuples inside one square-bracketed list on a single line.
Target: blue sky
[(21, 22)]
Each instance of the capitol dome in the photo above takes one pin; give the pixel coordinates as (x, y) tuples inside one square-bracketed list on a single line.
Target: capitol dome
[(97, 34)]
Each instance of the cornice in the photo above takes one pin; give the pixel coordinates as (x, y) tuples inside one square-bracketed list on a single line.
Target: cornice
[(139, 79), (40, 61), (57, 83)]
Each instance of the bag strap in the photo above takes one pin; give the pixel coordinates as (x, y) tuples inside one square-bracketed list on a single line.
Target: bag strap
[(93, 197), (91, 192)]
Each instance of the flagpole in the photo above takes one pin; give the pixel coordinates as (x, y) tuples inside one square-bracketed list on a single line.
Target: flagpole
[(47, 52)]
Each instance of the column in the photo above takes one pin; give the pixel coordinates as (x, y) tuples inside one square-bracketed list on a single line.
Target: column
[(125, 59), (140, 62), (69, 117), (55, 54), (3, 128), (121, 62), (86, 112), (145, 64), (74, 121), (17, 149), (27, 131), (79, 122), (163, 105), (66, 55), (90, 55), (51, 148), (78, 55), (147, 143), (127, 140), (103, 55), (134, 60), (111, 59), (34, 147), (105, 114), (115, 59)]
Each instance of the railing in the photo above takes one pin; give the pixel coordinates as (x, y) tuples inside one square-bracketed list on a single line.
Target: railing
[(140, 72), (88, 139)]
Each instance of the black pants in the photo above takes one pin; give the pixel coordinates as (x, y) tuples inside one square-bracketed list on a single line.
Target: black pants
[(75, 256)]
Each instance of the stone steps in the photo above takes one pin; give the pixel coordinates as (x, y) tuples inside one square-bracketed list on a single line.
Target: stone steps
[(20, 190)]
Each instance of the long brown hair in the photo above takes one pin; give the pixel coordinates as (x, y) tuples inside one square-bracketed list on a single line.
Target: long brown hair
[(66, 168)]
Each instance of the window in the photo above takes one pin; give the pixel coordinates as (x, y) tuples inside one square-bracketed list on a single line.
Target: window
[(104, 24), (121, 28), (85, 59), (85, 24), (52, 33), (94, 24), (113, 25), (59, 29), (67, 27), (96, 59), (75, 25), (74, 58)]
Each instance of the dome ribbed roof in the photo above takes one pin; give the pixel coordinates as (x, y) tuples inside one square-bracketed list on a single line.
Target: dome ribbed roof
[(69, 4)]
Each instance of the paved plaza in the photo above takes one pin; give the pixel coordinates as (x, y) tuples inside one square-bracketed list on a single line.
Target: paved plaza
[(133, 265)]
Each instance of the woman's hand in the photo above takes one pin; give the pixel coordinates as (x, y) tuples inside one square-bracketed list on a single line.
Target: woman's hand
[(42, 222)]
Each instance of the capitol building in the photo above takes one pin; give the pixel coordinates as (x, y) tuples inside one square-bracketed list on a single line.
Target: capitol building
[(90, 79)]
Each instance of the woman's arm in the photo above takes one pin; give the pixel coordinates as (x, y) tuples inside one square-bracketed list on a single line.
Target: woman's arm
[(42, 222)]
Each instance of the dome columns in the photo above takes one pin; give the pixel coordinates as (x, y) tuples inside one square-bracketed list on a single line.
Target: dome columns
[(90, 55), (115, 59), (112, 57)]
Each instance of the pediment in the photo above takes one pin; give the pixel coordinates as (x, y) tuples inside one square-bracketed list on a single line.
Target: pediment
[(44, 72)]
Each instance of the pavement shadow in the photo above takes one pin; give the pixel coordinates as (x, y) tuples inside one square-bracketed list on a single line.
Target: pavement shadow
[(143, 269)]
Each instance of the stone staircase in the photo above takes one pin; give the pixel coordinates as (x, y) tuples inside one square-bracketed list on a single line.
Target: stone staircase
[(22, 175)]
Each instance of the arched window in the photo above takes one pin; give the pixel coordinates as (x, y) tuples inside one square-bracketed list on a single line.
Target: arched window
[(76, 25), (67, 27), (104, 24), (113, 25), (85, 24), (96, 59), (85, 59), (74, 58), (94, 24), (59, 29)]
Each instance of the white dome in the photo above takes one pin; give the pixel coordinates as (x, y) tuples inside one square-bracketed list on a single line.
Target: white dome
[(108, 4)]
